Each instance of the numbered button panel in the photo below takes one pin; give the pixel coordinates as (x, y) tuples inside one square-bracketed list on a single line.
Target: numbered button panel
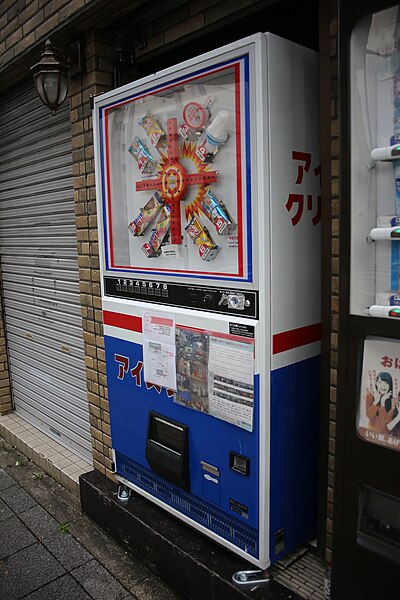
[(136, 288), (240, 302)]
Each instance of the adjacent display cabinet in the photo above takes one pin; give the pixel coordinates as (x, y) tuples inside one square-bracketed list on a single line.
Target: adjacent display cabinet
[(366, 540)]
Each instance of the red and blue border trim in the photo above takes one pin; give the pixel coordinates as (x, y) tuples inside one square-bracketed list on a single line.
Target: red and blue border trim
[(105, 186)]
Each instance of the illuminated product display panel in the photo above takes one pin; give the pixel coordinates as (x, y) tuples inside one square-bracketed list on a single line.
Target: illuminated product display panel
[(157, 153)]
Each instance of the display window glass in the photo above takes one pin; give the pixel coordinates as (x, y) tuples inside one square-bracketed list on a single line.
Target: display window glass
[(176, 177), (375, 165)]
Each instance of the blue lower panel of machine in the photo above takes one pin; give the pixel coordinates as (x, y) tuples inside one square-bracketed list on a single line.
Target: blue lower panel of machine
[(204, 513)]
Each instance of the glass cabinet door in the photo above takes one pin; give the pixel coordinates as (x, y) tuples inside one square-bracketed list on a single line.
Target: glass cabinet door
[(375, 165), (176, 175)]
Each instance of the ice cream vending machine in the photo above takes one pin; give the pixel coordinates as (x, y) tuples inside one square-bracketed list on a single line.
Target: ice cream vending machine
[(209, 207)]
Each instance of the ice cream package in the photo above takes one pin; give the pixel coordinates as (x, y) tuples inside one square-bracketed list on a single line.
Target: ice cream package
[(146, 215), (159, 234), (201, 238), (144, 159), (217, 213), (153, 129)]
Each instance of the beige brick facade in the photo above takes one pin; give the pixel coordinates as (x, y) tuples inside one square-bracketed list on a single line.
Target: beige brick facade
[(335, 225), (94, 82), (331, 228), (24, 22)]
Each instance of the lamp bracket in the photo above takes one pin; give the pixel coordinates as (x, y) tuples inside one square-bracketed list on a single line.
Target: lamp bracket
[(76, 59), (125, 43)]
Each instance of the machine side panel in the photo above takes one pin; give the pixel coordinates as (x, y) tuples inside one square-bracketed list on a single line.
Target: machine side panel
[(295, 198), (294, 455)]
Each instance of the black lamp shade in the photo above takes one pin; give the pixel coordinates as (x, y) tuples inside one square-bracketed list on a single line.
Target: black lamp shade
[(51, 78)]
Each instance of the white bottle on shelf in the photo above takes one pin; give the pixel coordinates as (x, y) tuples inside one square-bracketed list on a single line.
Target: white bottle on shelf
[(216, 134)]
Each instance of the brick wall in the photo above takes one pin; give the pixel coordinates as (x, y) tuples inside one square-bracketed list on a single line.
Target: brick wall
[(330, 142), (97, 80), (25, 22), (188, 19), (335, 222)]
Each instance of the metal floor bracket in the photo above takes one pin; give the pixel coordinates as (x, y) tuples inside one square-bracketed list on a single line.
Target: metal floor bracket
[(124, 493), (250, 579)]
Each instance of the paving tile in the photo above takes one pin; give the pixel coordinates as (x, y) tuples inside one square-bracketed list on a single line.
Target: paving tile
[(26, 571), (64, 588), (5, 480), (18, 429), (98, 582), (67, 550), (39, 522), (62, 462), (17, 499), (14, 536), (5, 511)]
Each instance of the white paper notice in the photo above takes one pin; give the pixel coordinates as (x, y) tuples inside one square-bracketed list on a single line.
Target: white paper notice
[(231, 381), (159, 349)]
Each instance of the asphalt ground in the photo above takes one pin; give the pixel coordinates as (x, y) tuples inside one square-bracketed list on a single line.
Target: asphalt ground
[(49, 550)]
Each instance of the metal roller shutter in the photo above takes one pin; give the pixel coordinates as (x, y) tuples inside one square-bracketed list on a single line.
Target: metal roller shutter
[(39, 266)]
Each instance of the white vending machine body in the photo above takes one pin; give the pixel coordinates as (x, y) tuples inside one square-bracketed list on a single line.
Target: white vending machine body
[(208, 189)]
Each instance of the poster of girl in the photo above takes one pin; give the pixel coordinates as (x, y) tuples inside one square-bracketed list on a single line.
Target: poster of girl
[(378, 416)]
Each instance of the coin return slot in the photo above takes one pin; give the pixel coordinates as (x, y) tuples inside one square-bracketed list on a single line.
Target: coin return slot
[(239, 463)]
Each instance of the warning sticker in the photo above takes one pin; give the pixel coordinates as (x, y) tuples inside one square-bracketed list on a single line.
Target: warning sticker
[(242, 330)]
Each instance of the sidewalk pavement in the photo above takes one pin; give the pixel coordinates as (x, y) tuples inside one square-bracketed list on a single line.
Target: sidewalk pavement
[(49, 550)]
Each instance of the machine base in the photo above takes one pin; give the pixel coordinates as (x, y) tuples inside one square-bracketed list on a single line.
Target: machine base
[(187, 561)]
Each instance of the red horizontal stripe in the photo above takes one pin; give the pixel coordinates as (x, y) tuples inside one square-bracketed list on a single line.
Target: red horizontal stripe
[(123, 321), (287, 340)]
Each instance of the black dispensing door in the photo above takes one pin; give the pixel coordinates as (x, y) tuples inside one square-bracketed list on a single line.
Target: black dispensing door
[(366, 536)]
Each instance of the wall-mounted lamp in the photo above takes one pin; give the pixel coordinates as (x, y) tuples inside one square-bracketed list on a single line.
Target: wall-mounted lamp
[(51, 78)]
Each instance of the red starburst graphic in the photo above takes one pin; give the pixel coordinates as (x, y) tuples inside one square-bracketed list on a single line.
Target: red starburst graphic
[(173, 180)]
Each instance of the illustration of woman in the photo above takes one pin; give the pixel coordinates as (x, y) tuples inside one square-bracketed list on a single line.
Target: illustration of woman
[(394, 425), (380, 405)]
